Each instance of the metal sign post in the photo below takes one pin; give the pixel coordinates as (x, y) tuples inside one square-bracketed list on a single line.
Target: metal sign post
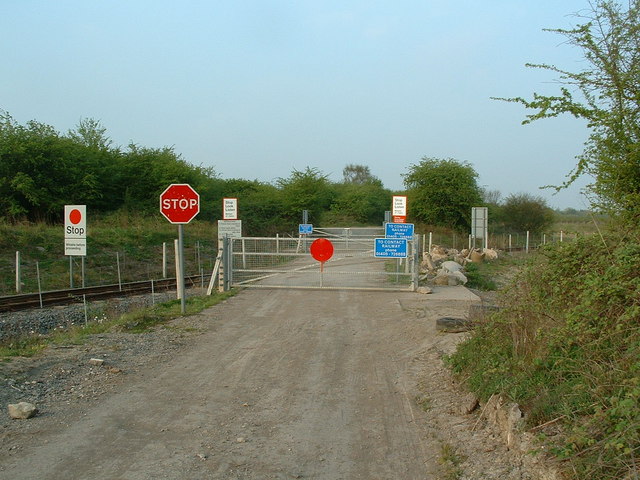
[(179, 204), (479, 223)]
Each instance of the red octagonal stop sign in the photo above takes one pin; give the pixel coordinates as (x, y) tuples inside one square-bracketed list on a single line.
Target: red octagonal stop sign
[(179, 203)]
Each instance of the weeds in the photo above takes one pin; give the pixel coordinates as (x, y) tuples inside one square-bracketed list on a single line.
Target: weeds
[(451, 461), (566, 346), (138, 321)]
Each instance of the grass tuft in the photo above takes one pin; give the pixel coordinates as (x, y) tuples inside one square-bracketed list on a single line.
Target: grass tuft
[(138, 321)]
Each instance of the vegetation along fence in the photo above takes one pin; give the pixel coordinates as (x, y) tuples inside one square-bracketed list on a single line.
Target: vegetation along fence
[(34, 270)]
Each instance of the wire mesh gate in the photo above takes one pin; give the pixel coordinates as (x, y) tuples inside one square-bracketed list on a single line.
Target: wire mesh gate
[(275, 262)]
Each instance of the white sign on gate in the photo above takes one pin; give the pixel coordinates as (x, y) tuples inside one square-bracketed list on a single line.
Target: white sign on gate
[(229, 228)]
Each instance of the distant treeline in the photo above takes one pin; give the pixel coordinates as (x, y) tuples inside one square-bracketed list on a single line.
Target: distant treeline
[(41, 170)]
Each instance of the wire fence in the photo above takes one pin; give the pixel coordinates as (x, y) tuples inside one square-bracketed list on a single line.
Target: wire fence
[(32, 271), (517, 241)]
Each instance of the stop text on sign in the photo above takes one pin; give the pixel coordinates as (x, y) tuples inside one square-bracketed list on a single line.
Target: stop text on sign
[(179, 203)]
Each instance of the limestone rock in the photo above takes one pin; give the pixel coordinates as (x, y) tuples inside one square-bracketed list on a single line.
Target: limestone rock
[(468, 404), (22, 410), (490, 254), (423, 290), (451, 266), (96, 361), (476, 257)]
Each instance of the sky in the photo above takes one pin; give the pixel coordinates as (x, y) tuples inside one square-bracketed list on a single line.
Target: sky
[(258, 89)]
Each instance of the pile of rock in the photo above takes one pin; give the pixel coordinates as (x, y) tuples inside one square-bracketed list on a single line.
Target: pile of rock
[(446, 266)]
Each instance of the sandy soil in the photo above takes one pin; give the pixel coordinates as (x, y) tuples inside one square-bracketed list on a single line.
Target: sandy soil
[(275, 384)]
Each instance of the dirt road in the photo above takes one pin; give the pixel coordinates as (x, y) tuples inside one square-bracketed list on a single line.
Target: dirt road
[(276, 384)]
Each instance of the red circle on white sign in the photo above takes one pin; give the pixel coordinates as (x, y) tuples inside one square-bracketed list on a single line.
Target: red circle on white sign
[(75, 216)]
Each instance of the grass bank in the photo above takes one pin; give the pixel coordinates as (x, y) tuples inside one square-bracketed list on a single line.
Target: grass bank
[(119, 247), (566, 347)]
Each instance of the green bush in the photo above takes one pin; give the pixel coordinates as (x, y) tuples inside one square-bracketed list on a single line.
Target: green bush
[(566, 346)]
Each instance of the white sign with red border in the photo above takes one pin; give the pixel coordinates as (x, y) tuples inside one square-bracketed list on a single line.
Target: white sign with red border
[(229, 208), (399, 208)]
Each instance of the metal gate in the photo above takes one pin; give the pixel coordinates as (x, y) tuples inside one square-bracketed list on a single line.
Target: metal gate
[(277, 262)]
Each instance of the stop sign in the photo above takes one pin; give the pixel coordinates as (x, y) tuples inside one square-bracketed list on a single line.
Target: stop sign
[(179, 203), (321, 249)]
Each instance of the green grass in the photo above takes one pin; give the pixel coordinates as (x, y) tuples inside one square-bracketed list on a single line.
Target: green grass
[(451, 460), (138, 321), (492, 275), (133, 242)]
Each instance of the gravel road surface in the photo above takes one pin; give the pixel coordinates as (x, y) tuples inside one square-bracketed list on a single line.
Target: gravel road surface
[(270, 384)]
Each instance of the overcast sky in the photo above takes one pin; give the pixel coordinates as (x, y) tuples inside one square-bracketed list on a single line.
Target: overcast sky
[(257, 89)]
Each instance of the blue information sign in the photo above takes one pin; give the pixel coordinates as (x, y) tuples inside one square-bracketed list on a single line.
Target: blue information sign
[(399, 230), (390, 248), (305, 229)]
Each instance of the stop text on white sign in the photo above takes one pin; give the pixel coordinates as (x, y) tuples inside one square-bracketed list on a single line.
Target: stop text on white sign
[(229, 208)]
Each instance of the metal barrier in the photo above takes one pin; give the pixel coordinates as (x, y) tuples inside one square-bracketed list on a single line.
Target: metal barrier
[(277, 262)]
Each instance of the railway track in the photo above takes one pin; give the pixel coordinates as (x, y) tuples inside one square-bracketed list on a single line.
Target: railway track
[(28, 301)]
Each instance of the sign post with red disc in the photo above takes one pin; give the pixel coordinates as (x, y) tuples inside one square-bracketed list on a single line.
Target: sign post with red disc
[(321, 250), (179, 203)]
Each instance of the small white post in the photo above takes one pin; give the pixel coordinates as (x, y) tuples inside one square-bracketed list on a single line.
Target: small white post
[(544, 238), (39, 285), (277, 243), (430, 240), (561, 235), (119, 274), (244, 257), (86, 315), (509, 242), (164, 259), (18, 274), (527, 244)]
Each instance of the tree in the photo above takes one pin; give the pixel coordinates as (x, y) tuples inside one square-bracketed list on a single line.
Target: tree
[(360, 203), (307, 190), (524, 212), (359, 174), (40, 172), (606, 93), (90, 133), (442, 192)]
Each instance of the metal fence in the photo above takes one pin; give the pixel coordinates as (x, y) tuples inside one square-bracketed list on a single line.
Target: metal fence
[(287, 263)]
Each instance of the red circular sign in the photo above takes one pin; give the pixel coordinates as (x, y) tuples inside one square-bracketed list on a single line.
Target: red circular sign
[(321, 249), (179, 203), (75, 216)]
